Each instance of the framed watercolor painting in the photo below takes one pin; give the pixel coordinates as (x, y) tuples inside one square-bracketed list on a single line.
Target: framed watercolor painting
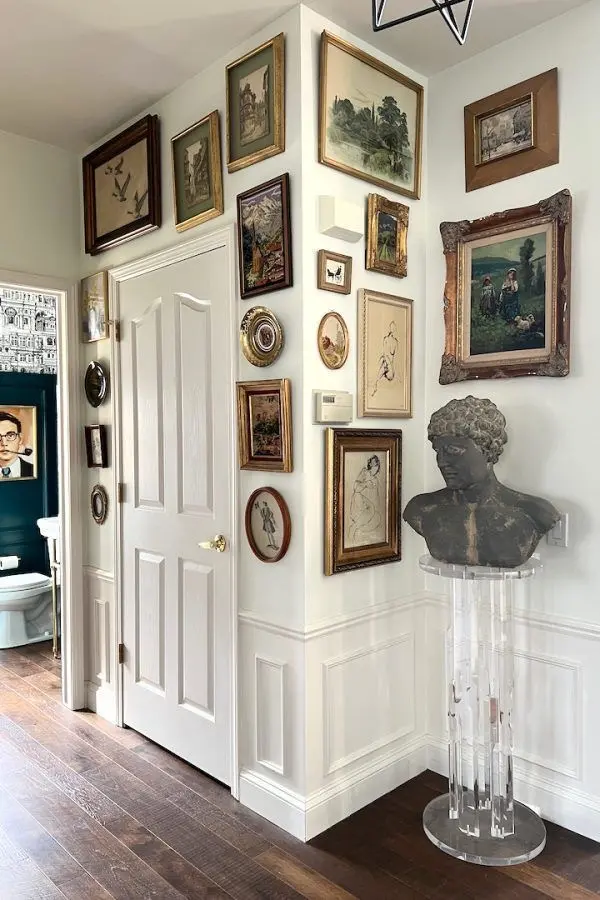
[(512, 132), (94, 307), (197, 175), (265, 425), (384, 355), (370, 118), (507, 295), (334, 272), (268, 525), (333, 340), (264, 238), (387, 236), (363, 477), (121, 187), (18, 443), (255, 105)]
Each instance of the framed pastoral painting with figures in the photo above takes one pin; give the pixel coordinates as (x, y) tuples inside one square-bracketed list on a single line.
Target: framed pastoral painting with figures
[(507, 295), (512, 132), (265, 425)]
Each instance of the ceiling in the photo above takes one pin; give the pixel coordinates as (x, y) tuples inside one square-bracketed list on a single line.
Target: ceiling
[(73, 70)]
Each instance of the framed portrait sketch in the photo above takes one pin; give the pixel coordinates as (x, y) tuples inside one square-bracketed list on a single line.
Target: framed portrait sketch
[(18, 443), (255, 105), (363, 476), (197, 174), (94, 307), (512, 132), (333, 340), (268, 525), (334, 272), (264, 237), (265, 425), (387, 236), (384, 355), (96, 446), (121, 187), (507, 294), (370, 118)]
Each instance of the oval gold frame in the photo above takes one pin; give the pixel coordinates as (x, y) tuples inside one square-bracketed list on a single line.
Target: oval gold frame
[(100, 496), (344, 327), (287, 524), (248, 329)]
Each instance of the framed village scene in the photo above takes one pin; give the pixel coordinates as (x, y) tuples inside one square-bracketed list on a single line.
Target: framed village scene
[(265, 425), (18, 443), (508, 292), (197, 175), (264, 238)]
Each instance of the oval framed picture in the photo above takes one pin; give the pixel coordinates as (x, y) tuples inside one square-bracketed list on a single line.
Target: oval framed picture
[(99, 504), (333, 340), (268, 525), (96, 384), (261, 336)]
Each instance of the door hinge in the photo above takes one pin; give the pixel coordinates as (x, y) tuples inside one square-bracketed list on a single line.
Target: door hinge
[(121, 654), (117, 329), (120, 492)]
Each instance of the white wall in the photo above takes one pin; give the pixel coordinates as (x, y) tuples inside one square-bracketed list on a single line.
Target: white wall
[(550, 421)]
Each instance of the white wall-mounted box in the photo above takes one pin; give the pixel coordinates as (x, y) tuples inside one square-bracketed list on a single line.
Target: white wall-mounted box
[(341, 219), (333, 406)]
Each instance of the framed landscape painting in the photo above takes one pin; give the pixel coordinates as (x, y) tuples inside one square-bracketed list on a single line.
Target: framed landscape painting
[(507, 296), (387, 236), (197, 176), (370, 118), (264, 238), (265, 425)]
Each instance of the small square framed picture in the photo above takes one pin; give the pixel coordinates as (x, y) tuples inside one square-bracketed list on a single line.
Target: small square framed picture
[(334, 272), (387, 236), (96, 446)]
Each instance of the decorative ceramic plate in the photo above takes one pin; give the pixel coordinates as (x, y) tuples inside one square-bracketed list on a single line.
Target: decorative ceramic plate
[(261, 336), (96, 384)]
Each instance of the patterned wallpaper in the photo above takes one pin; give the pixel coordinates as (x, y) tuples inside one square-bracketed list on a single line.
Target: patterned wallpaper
[(27, 331)]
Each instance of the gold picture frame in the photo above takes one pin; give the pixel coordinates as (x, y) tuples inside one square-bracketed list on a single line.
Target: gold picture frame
[(350, 78), (333, 340), (197, 199), (265, 425), (385, 324), (94, 307), (264, 134), (261, 336), (334, 272), (387, 236), (363, 485)]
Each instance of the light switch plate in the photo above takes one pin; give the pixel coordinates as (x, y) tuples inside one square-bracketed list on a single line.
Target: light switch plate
[(559, 536)]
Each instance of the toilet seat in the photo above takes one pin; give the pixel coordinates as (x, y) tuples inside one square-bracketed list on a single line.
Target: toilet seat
[(17, 591)]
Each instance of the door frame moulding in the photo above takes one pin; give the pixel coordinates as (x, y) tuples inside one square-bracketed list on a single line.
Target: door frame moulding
[(70, 469), (220, 238)]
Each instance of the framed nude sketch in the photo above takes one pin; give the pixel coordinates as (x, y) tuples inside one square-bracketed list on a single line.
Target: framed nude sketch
[(384, 355), (18, 443)]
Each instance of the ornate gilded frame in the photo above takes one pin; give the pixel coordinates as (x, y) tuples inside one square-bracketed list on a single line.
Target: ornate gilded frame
[(377, 204), (556, 211), (338, 441), (252, 321), (287, 524), (216, 172), (327, 362), (278, 146), (249, 460)]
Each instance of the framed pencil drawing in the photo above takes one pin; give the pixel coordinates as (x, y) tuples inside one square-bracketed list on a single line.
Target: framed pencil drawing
[(265, 425), (121, 187), (384, 355), (387, 236), (363, 475), (264, 237), (334, 272), (507, 294), (197, 175), (268, 524)]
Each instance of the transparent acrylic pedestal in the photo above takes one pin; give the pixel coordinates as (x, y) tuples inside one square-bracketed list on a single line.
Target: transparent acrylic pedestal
[(478, 820)]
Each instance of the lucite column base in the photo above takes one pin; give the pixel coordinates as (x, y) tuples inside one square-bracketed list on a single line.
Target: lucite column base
[(527, 842)]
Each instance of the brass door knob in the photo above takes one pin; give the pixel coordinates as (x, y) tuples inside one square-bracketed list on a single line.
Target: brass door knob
[(218, 543)]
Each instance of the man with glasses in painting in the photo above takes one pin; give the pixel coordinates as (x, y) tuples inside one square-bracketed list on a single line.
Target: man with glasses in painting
[(12, 465)]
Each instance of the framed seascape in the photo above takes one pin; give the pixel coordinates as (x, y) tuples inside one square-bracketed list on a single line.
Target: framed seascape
[(370, 118), (197, 175), (384, 355), (387, 236), (264, 238), (363, 476), (512, 132), (507, 295), (265, 425)]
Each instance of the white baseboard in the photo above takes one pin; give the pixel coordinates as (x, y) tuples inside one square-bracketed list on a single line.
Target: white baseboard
[(101, 701), (274, 802)]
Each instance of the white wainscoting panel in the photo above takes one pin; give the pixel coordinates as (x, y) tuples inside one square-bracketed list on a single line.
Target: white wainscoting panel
[(100, 644), (270, 712)]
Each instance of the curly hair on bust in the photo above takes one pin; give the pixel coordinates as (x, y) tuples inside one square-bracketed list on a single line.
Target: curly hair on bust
[(480, 420)]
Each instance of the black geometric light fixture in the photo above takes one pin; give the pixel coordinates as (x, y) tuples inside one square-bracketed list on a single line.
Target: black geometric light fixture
[(442, 6)]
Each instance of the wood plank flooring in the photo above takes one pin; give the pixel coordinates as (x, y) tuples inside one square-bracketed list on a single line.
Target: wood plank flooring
[(93, 812)]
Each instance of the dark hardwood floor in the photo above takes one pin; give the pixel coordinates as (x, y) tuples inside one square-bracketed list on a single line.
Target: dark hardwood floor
[(90, 812)]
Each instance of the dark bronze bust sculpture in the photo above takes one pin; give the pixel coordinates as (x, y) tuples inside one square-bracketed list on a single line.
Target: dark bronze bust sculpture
[(475, 520)]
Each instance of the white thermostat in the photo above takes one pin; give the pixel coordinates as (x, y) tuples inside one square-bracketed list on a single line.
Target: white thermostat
[(333, 406)]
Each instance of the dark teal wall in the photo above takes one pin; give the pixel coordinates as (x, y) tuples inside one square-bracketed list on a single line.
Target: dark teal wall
[(22, 503)]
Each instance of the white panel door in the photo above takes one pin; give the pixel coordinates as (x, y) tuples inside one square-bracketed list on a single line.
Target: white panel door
[(177, 449)]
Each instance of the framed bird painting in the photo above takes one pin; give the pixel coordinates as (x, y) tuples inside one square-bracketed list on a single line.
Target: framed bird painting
[(121, 187)]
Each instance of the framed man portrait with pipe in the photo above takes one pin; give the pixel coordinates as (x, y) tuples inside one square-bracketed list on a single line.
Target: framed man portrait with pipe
[(18, 443)]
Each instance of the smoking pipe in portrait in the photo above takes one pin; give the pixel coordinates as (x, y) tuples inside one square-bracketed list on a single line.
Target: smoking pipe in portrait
[(475, 520)]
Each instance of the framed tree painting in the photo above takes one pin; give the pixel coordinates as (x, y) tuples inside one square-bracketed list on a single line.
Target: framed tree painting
[(197, 175), (384, 355), (255, 105), (265, 425), (363, 475), (370, 118), (264, 238), (387, 236), (121, 187), (507, 294)]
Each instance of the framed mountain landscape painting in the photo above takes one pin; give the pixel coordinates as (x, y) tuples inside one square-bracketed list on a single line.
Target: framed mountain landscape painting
[(264, 238), (370, 118)]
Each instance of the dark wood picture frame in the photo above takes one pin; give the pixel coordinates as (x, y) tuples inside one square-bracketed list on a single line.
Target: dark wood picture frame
[(542, 92), (283, 181), (398, 266), (287, 524), (249, 459), (148, 130), (556, 212), (339, 441), (89, 450)]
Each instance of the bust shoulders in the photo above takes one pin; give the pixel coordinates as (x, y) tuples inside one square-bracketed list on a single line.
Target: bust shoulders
[(541, 512)]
